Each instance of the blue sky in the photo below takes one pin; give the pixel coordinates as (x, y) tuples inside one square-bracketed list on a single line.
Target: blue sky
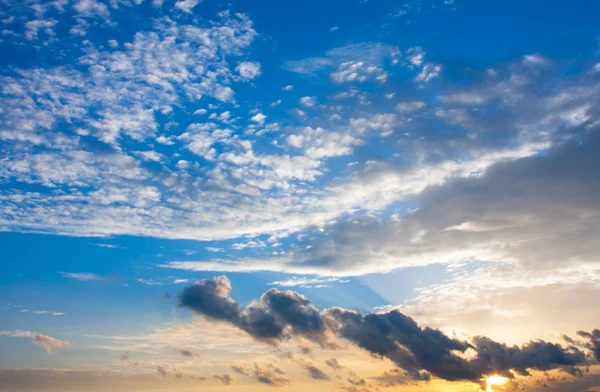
[(432, 157)]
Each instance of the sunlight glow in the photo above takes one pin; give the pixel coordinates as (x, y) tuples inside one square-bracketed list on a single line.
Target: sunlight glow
[(495, 380)]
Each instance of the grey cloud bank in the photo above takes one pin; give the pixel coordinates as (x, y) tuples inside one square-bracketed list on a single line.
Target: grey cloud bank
[(422, 352)]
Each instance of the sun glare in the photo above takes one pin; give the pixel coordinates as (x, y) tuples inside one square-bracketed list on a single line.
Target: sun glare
[(495, 380)]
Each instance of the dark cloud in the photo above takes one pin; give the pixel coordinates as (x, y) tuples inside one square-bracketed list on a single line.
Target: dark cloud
[(274, 317), (210, 297), (494, 357), (186, 353), (333, 363), (305, 350), (172, 372), (421, 352), (356, 382), (593, 339), (269, 376), (392, 377), (162, 371), (399, 338), (316, 373), (225, 379)]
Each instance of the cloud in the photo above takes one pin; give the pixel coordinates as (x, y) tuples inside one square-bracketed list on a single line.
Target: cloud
[(410, 106), (186, 353), (60, 380), (90, 277), (546, 217), (47, 342), (272, 318), (95, 182), (359, 71), (333, 363), (420, 351), (307, 282), (186, 5), (345, 58), (319, 143), (308, 101), (536, 60), (248, 69), (271, 375), (316, 373), (429, 72), (593, 339), (259, 118), (34, 26), (415, 56), (46, 312), (225, 379)]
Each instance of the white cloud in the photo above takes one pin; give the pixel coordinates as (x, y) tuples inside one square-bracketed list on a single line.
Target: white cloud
[(429, 72), (33, 27), (319, 143), (84, 277), (92, 9), (258, 118), (359, 71), (415, 56), (186, 5), (248, 245), (409, 106), (248, 69), (308, 101), (371, 55), (249, 184), (307, 282), (150, 155), (168, 141), (536, 60), (465, 97), (182, 164)]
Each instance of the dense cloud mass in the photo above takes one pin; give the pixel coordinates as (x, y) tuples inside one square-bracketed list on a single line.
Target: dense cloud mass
[(539, 213), (274, 317), (421, 351)]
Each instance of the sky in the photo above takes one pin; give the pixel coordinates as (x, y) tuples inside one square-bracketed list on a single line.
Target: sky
[(341, 195)]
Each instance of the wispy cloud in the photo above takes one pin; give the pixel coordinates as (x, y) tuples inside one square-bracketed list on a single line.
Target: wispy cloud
[(47, 342)]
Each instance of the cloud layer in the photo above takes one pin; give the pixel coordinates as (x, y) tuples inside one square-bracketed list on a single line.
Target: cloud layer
[(420, 351)]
